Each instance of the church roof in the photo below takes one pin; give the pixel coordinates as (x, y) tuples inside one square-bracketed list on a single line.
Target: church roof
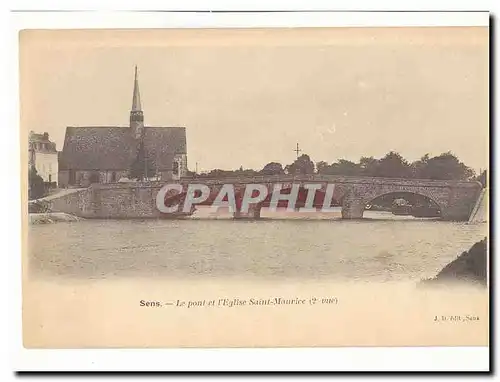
[(114, 148)]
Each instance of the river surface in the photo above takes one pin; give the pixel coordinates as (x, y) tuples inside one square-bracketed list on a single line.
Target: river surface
[(381, 247)]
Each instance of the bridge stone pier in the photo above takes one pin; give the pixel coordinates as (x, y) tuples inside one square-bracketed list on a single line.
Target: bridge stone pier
[(353, 207), (252, 213)]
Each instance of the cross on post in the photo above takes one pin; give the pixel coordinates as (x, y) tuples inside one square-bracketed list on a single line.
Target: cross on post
[(297, 150)]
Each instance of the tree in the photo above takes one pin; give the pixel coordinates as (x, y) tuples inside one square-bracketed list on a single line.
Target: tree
[(244, 172), (36, 186), (393, 165), (419, 166), (344, 167), (218, 173), (368, 166), (142, 167), (273, 168), (322, 167), (482, 178), (445, 167), (302, 165)]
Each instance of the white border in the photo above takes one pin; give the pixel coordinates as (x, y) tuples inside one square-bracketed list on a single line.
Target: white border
[(296, 359), (345, 359), (258, 5), (107, 19)]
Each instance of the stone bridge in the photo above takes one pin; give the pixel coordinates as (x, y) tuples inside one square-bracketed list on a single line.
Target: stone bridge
[(455, 199)]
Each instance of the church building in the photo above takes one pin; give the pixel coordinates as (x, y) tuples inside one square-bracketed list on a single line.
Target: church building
[(105, 154)]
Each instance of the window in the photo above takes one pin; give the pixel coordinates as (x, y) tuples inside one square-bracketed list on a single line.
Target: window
[(175, 168), (72, 177)]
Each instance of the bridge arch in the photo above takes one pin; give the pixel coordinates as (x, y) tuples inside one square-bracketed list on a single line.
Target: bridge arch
[(415, 204), (427, 201), (411, 197)]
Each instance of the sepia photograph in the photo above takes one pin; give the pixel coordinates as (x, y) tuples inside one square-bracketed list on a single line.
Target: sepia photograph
[(255, 187)]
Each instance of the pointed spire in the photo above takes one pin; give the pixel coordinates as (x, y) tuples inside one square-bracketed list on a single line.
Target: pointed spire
[(136, 114), (136, 99)]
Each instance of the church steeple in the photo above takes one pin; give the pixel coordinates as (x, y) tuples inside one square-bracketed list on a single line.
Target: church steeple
[(136, 98), (136, 115)]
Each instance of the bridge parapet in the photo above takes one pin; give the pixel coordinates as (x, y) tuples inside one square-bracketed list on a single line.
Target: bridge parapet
[(317, 178)]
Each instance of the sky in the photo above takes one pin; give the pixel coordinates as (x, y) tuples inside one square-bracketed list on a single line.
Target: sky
[(247, 97)]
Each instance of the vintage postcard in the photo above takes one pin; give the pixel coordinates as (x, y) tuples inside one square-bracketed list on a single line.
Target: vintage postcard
[(258, 187)]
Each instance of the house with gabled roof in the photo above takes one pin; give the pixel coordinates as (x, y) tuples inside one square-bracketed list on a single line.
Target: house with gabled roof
[(105, 154)]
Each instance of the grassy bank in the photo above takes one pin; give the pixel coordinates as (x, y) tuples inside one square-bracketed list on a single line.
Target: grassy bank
[(470, 267)]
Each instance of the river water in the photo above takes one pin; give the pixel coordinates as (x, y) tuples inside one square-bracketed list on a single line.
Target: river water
[(380, 248)]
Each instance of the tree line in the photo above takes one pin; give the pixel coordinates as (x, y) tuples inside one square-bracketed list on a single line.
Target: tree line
[(445, 166)]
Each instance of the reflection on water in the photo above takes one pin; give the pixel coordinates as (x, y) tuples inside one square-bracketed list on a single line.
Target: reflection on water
[(281, 213), (381, 248)]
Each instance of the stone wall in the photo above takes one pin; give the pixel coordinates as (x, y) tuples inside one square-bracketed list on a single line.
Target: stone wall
[(116, 200), (77, 203), (461, 202), (124, 201)]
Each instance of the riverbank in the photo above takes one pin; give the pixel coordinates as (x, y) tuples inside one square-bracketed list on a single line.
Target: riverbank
[(470, 267), (51, 217)]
